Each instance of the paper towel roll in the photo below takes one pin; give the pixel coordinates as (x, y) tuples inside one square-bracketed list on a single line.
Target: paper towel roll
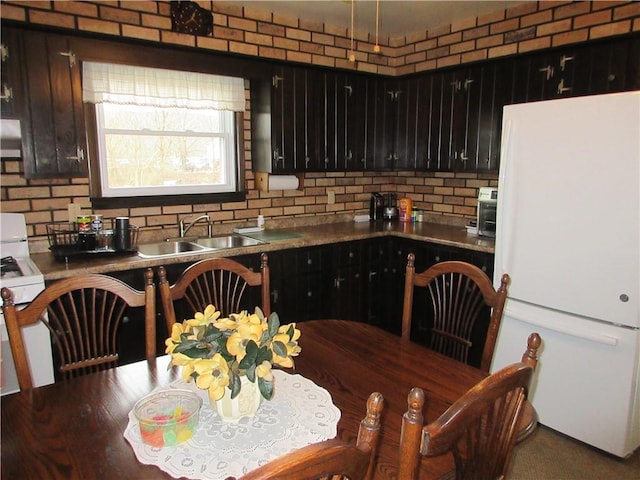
[(283, 182)]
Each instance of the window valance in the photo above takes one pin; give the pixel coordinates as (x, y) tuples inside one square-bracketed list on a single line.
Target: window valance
[(155, 87)]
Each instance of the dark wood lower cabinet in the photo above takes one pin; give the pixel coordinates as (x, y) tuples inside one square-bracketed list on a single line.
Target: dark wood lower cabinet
[(359, 281)]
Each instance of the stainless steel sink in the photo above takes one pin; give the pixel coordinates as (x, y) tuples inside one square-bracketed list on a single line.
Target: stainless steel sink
[(227, 241), (165, 249), (174, 247)]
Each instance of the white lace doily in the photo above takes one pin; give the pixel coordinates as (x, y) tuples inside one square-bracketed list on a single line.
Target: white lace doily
[(299, 414)]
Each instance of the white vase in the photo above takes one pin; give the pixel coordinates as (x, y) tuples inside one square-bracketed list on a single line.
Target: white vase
[(245, 404)]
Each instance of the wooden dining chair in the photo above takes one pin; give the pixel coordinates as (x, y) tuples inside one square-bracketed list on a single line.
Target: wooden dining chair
[(450, 314), (479, 429), (332, 459), (83, 314), (221, 282)]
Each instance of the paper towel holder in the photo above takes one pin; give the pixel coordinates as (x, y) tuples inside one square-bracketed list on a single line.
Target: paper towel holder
[(262, 181)]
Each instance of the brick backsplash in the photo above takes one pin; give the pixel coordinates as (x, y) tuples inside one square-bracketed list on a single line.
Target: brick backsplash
[(446, 197)]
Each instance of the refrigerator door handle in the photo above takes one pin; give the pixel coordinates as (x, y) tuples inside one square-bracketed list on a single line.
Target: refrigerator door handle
[(509, 131), (584, 334)]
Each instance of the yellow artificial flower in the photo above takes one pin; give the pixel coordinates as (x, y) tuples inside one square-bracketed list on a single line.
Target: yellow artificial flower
[(245, 319), (237, 342), (174, 339), (291, 344), (264, 371), (225, 324), (213, 375), (202, 319)]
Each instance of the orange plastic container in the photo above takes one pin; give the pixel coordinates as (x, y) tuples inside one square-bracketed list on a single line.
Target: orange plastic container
[(405, 208)]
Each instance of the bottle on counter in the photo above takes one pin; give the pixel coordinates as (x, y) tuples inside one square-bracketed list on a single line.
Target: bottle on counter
[(405, 209), (96, 222)]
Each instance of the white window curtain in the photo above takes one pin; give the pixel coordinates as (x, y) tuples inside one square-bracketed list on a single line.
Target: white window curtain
[(155, 87)]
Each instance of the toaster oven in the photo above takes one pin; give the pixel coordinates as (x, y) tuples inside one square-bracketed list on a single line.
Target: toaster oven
[(486, 213)]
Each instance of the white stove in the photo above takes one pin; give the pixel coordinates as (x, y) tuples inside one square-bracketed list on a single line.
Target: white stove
[(20, 274)]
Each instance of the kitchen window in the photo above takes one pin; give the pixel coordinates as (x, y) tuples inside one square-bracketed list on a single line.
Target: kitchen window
[(163, 136)]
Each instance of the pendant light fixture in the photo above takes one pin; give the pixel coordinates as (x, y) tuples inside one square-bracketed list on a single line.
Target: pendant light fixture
[(376, 47), (352, 55)]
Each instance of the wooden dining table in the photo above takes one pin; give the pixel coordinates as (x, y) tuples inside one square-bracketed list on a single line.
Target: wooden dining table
[(73, 429)]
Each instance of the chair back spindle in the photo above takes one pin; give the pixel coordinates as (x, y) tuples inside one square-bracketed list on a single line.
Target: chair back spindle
[(221, 282)]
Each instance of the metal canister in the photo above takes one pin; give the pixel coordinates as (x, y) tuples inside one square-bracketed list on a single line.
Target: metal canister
[(96, 222), (84, 223)]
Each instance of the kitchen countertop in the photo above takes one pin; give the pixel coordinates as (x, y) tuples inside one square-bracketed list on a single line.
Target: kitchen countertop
[(279, 239)]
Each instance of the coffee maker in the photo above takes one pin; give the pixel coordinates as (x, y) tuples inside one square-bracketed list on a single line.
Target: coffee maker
[(390, 210), (376, 206)]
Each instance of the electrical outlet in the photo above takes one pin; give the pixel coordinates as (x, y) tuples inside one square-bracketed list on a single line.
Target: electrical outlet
[(331, 197)]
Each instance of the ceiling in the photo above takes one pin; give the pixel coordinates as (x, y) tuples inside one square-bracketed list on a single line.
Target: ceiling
[(397, 18)]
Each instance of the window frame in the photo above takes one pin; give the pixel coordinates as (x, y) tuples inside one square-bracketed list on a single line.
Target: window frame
[(98, 201)]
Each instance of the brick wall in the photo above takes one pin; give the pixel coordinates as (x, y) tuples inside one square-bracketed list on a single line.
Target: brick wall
[(446, 197)]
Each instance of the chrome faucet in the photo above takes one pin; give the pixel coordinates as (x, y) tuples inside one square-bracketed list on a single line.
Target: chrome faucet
[(184, 228)]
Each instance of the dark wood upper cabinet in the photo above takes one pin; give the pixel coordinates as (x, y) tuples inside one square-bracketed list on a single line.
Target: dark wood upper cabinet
[(285, 110), (589, 69), (312, 119), (54, 136), (11, 75)]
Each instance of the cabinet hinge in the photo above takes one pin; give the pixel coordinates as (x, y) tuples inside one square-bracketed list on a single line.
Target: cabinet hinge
[(4, 52), (275, 80), (562, 88), (563, 61), (7, 93), (276, 156), (79, 157), (548, 70), (71, 56), (394, 94)]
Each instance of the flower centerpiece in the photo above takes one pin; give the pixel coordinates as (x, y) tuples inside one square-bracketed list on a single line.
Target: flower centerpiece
[(217, 352)]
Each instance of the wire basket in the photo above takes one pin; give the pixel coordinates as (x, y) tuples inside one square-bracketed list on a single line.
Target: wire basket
[(62, 235), (65, 238)]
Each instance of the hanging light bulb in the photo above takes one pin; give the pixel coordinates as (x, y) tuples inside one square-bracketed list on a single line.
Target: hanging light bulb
[(376, 47), (352, 55)]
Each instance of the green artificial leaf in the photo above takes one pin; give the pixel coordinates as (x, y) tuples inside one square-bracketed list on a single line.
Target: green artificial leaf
[(266, 388), (234, 384), (251, 373), (280, 349), (258, 311), (265, 337), (290, 331), (211, 334), (189, 345), (249, 359), (264, 354), (273, 324)]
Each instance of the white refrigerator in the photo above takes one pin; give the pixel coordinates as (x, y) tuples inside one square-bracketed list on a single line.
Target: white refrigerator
[(568, 225)]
